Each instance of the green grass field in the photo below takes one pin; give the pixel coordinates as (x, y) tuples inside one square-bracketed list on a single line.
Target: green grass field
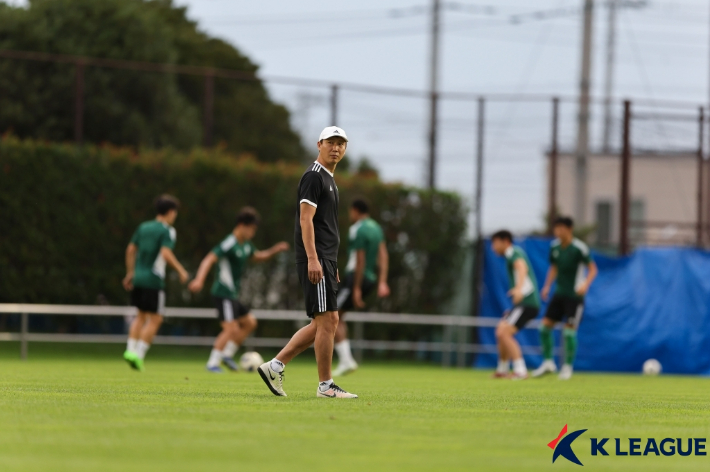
[(79, 408)]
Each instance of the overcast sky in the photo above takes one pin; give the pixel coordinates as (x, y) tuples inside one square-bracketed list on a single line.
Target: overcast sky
[(662, 53)]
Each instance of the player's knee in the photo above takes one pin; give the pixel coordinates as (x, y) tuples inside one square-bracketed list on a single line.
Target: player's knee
[(329, 320), (248, 322)]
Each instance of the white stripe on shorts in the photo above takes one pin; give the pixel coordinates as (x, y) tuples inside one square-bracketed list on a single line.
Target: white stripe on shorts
[(161, 302), (342, 297), (514, 315), (578, 315), (227, 309)]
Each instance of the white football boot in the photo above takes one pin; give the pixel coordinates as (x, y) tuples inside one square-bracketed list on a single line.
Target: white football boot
[(565, 372), (547, 366), (274, 380), (334, 392)]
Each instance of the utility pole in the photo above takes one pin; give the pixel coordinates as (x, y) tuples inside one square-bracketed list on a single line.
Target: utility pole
[(433, 90), (609, 79), (583, 116)]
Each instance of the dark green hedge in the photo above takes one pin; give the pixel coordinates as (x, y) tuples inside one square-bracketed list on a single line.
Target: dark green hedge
[(67, 213)]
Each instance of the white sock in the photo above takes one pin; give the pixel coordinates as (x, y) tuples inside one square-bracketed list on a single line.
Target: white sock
[(344, 354), (230, 349), (132, 345), (323, 386), (277, 366), (215, 358), (142, 348), (503, 367), (519, 366)]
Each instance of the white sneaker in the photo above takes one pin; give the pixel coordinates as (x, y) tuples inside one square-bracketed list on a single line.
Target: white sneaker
[(547, 366), (334, 392), (274, 380), (345, 369), (565, 372)]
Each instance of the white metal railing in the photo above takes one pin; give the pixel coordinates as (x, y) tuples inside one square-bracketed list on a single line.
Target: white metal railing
[(447, 346)]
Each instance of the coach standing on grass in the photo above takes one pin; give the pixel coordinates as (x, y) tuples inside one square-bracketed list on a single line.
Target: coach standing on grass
[(317, 239)]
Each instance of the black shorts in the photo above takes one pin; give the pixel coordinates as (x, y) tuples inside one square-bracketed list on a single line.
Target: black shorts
[(149, 300), (228, 309), (520, 315), (323, 296), (568, 309), (345, 292)]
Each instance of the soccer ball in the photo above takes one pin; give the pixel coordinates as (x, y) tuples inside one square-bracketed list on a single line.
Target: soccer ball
[(250, 361), (651, 367)]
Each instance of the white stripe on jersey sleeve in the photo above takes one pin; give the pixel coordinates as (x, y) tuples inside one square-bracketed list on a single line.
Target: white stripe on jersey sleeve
[(309, 202)]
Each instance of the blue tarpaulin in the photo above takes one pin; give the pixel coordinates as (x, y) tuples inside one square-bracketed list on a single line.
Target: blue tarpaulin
[(651, 304)]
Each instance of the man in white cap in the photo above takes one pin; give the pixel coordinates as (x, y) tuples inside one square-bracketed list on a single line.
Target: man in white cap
[(317, 239)]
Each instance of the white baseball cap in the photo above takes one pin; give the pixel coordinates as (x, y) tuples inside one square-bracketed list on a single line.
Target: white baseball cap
[(331, 131)]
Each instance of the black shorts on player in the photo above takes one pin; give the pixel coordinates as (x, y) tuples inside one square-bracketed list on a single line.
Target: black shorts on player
[(228, 309), (521, 315), (567, 309), (148, 300), (345, 293), (323, 296)]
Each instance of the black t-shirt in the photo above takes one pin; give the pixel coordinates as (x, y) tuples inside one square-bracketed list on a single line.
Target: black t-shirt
[(317, 188)]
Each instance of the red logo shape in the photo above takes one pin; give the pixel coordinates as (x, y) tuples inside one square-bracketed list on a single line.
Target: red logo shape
[(554, 442)]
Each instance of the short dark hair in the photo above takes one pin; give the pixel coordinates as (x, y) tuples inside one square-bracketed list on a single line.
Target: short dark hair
[(248, 216), (165, 203), (360, 204), (564, 221), (503, 234)]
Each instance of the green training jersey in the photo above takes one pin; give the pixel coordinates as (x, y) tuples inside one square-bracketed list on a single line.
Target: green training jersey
[(233, 259), (530, 296), (571, 263), (150, 237), (364, 235)]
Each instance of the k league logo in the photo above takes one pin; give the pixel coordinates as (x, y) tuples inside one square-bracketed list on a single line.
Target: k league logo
[(563, 445), (683, 447)]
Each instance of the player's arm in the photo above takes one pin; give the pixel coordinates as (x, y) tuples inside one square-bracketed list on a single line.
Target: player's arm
[(383, 263), (521, 274), (315, 271), (172, 261), (205, 266), (592, 272), (265, 255), (131, 251), (357, 278), (549, 280)]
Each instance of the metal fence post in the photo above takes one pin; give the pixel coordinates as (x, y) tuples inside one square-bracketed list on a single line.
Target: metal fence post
[(625, 184), (461, 351), (24, 328), (552, 202), (334, 105), (700, 229)]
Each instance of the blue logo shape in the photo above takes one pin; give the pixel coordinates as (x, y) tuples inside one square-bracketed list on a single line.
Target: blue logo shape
[(564, 446)]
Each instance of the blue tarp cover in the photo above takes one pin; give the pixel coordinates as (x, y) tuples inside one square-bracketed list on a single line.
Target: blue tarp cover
[(652, 304)]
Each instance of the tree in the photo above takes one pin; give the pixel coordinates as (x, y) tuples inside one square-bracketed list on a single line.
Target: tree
[(130, 107)]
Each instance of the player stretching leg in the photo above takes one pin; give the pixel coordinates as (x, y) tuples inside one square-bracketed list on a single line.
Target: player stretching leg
[(316, 240), (367, 252), (150, 249), (569, 257), (526, 305), (231, 257)]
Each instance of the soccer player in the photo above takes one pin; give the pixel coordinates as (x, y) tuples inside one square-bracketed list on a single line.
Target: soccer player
[(231, 257), (148, 253), (367, 252), (526, 306), (574, 270), (317, 238)]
